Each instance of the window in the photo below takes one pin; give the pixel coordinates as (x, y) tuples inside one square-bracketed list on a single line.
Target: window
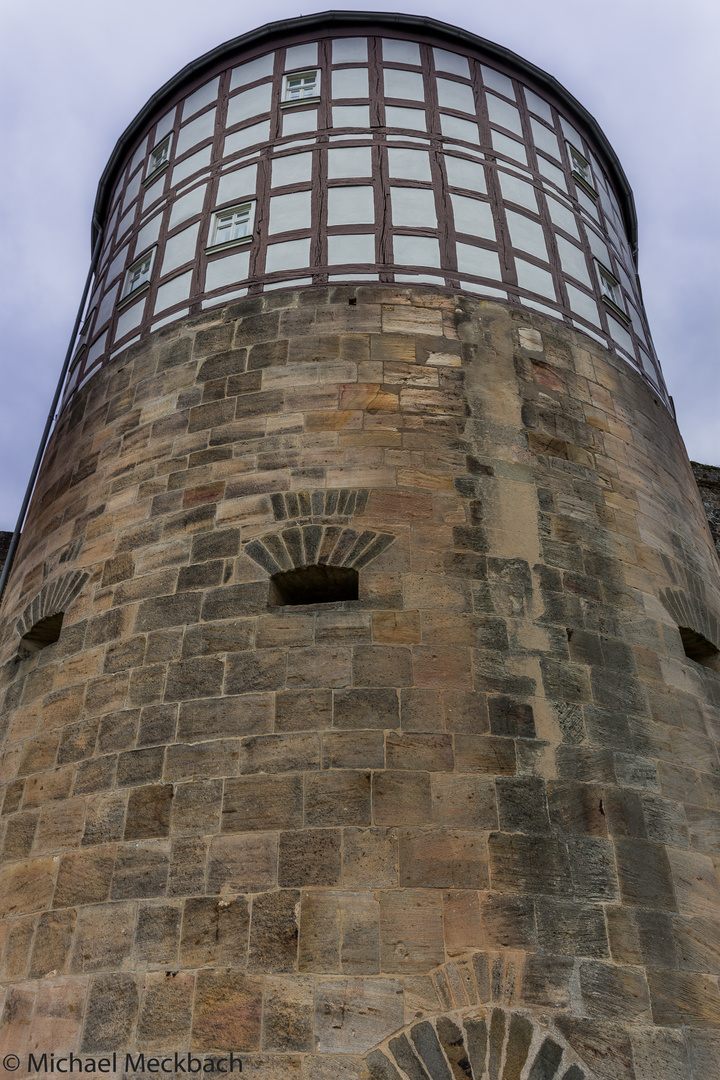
[(319, 584), (159, 157), (611, 292), (138, 275), (231, 226), (301, 86), (43, 633), (581, 170)]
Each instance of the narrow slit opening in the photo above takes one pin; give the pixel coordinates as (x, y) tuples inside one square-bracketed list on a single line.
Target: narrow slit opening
[(698, 648), (314, 585), (45, 632)]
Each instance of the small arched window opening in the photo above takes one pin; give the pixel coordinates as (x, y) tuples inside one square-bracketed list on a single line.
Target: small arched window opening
[(45, 632), (698, 648), (314, 585)]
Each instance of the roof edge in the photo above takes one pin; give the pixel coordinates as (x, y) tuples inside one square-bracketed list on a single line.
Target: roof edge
[(359, 18)]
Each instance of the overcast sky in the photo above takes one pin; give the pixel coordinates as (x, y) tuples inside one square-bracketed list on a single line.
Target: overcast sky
[(74, 73)]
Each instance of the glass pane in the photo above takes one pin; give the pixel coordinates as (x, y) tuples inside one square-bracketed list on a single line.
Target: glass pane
[(509, 147), (526, 234), (249, 103), (226, 271), (465, 174), (196, 131), (473, 217), (454, 95), (400, 52), (416, 250), (350, 206), (544, 139), (518, 191), (301, 86), (455, 128), (495, 81), (301, 56), (478, 261), (254, 69), (236, 184), (354, 161), (200, 98), (452, 62), (409, 164), (534, 278), (409, 119), (349, 50), (413, 207), (290, 212), (287, 256), (403, 84), (350, 83), (354, 116), (357, 248), (538, 106), (572, 260), (503, 113), (294, 169)]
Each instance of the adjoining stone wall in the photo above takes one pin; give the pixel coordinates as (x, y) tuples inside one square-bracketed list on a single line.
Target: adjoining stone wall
[(708, 482), (5, 538), (345, 840)]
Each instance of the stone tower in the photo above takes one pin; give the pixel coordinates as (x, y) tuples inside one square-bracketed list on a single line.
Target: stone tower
[(359, 658)]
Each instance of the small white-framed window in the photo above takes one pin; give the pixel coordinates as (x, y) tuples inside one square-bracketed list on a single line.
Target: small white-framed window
[(301, 86), (611, 291), (232, 226), (581, 169), (159, 157), (138, 275)]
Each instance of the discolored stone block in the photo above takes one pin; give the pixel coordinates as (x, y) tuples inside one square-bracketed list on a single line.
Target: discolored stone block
[(148, 812), (214, 932), (288, 1014), (111, 1013), (352, 1016), (157, 936), (228, 1009), (165, 1014)]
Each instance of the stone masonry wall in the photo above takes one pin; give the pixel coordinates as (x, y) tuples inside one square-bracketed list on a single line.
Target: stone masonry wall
[(466, 825), (707, 478)]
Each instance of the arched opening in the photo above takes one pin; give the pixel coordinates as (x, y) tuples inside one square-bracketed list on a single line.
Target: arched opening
[(698, 648), (314, 585), (45, 632)]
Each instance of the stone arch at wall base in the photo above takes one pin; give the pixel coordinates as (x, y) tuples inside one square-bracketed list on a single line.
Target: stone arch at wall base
[(478, 1044)]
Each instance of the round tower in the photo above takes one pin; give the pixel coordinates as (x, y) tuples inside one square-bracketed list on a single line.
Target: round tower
[(359, 657)]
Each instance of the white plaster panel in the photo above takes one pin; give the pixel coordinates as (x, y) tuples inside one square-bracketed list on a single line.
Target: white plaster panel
[(200, 98), (139, 155), (351, 248), (352, 161), (544, 139), (249, 103), (400, 52), (349, 50), (129, 319), (253, 70), (572, 260), (152, 193), (455, 95), (478, 261), (455, 128), (451, 62), (97, 349), (180, 248), (552, 173), (582, 304), (196, 131), (538, 106), (416, 250), (290, 212), (287, 255), (534, 278), (350, 206), (350, 83), (465, 174), (518, 191), (620, 335), (403, 84), (164, 126), (299, 120), (509, 147), (494, 80), (398, 117), (473, 217), (409, 164), (106, 307), (355, 116), (125, 223), (413, 207), (249, 136), (173, 292), (117, 264), (227, 271), (526, 234), (294, 169), (149, 233), (298, 56), (563, 217), (187, 206), (132, 189), (191, 165), (503, 113)]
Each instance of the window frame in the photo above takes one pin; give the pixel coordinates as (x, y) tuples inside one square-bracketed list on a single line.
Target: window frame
[(154, 170), (579, 165), (129, 293), (611, 292), (215, 245), (286, 102)]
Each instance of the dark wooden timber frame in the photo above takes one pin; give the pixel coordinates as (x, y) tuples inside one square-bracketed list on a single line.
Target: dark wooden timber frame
[(127, 204)]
